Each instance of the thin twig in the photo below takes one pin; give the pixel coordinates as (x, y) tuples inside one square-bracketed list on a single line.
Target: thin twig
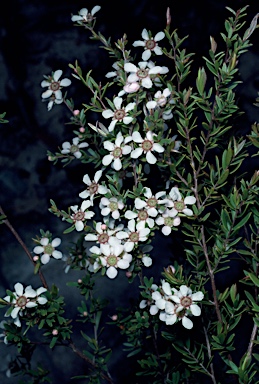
[(251, 343), (18, 238), (209, 355)]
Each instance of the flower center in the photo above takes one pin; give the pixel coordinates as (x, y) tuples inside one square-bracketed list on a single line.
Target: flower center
[(78, 216), (150, 44), (54, 85), (111, 260), (142, 215), (117, 152), (142, 73), (152, 202), (103, 238), (186, 301), (169, 221), (113, 206), (48, 249), (147, 145), (179, 205), (134, 237), (21, 301), (73, 148), (119, 114), (93, 188)]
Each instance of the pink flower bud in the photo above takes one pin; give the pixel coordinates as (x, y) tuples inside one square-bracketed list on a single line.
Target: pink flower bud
[(131, 87), (76, 112), (55, 332), (35, 258), (114, 317), (128, 274), (85, 313), (79, 281), (82, 129), (170, 269), (168, 16), (103, 227)]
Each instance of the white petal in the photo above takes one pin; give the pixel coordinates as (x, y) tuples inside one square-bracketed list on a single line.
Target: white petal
[(111, 272), (190, 200), (107, 160), (108, 145), (65, 82), (146, 55), (138, 43), (139, 204), (187, 212), (31, 304), (184, 290), (46, 94), (129, 67), (42, 300), (86, 180), (169, 308), (151, 104), (151, 159), (147, 261), (105, 211), (159, 36), (187, 323), (57, 74), (76, 18), (41, 290), (45, 258), (130, 215), (158, 148), (153, 309), (117, 164), (56, 242), (143, 304), (167, 288), (166, 230), (95, 9), (107, 113), (126, 149), (170, 319), (38, 249), (18, 289), (79, 225), (195, 309), (117, 102), (136, 153), (123, 264), (132, 78), (15, 312), (146, 82), (127, 119), (160, 303), (137, 137), (144, 34), (197, 296), (57, 254)]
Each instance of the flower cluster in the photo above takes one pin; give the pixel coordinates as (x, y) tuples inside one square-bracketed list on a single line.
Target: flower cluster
[(174, 305), (23, 299)]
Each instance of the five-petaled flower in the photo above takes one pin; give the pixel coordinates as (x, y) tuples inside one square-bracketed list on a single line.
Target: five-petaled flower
[(73, 148), (116, 149), (151, 202), (133, 234), (146, 146), (168, 219), (149, 44), (119, 113), (111, 257), (54, 85), (48, 249), (84, 16), (80, 215), (21, 299), (177, 204), (93, 188), (111, 206), (142, 74)]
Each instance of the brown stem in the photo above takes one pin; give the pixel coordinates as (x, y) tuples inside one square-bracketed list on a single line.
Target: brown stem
[(252, 338), (209, 355), (211, 273), (89, 361), (18, 238)]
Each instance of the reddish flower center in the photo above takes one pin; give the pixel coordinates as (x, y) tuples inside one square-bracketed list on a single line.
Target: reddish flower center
[(152, 202), (117, 152), (142, 215), (21, 301), (186, 301), (147, 145), (54, 85), (119, 114), (103, 238), (142, 73), (150, 44), (93, 188), (134, 237), (78, 216)]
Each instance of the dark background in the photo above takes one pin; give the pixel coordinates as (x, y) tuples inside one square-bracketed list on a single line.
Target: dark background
[(37, 37)]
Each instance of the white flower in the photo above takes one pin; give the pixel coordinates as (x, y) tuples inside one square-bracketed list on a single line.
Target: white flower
[(22, 299), (53, 101), (74, 148), (149, 44), (85, 16), (80, 215), (48, 249), (93, 186), (151, 202), (116, 149), (112, 257), (178, 204), (143, 73), (134, 234), (113, 73), (141, 216), (168, 220), (2, 323), (185, 299), (104, 234), (111, 206), (119, 113), (130, 88), (160, 99), (147, 146), (54, 87)]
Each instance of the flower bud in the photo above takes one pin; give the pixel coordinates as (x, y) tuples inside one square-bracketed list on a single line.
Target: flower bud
[(76, 112), (55, 332)]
